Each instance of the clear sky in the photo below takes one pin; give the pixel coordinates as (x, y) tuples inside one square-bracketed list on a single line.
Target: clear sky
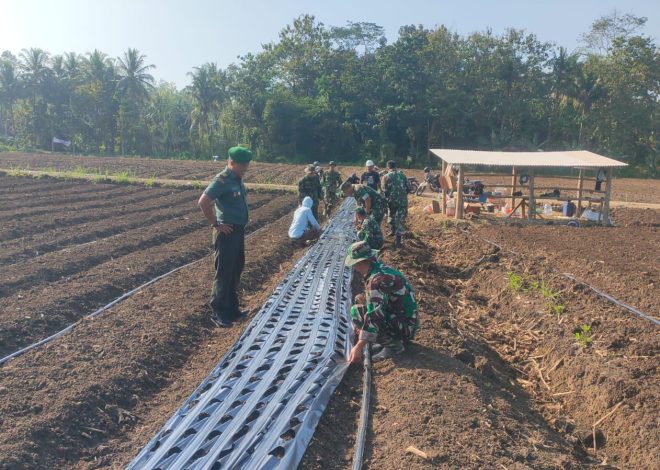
[(177, 35)]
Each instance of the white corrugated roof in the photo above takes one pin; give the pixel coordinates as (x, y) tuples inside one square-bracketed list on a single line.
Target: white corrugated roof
[(572, 159)]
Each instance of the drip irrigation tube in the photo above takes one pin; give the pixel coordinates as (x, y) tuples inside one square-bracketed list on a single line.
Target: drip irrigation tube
[(364, 412), (613, 300), (599, 292), (107, 306), (93, 314)]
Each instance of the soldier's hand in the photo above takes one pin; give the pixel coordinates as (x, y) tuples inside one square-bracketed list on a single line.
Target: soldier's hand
[(355, 356), (359, 299), (225, 229)]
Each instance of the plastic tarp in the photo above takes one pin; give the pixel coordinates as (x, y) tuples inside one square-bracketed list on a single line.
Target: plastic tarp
[(261, 403)]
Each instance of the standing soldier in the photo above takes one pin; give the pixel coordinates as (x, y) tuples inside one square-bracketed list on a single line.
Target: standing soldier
[(309, 185), (368, 229), (372, 202), (395, 190), (227, 192), (331, 183), (387, 311)]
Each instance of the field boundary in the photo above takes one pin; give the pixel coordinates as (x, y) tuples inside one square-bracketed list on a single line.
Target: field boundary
[(134, 180)]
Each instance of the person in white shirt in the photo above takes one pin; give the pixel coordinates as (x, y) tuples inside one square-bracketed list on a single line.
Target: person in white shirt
[(304, 225)]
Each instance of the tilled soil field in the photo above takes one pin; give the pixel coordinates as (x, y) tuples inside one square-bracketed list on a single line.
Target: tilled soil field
[(69, 261), (94, 397), (624, 189), (495, 378)]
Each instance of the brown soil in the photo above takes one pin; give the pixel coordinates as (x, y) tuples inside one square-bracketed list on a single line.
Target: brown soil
[(469, 393), (44, 293), (494, 379), (94, 397), (624, 189)]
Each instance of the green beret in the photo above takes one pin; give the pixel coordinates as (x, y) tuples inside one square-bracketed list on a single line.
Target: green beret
[(240, 154)]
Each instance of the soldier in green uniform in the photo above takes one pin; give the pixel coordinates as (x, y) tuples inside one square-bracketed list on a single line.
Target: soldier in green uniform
[(368, 229), (310, 185), (386, 313), (395, 190), (224, 204), (368, 198), (331, 183)]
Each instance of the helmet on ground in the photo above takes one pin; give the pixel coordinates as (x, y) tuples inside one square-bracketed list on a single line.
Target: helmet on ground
[(216, 158)]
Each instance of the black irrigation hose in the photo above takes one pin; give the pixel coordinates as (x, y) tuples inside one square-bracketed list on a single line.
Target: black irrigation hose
[(598, 292), (364, 411), (106, 307), (94, 314), (613, 300)]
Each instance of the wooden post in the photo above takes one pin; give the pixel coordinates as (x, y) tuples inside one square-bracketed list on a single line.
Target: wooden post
[(459, 190), (443, 191), (578, 209), (606, 203), (531, 210), (513, 188)]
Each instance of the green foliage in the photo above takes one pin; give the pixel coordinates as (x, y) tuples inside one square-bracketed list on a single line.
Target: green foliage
[(150, 181), (343, 93), (515, 282), (583, 335), (122, 177)]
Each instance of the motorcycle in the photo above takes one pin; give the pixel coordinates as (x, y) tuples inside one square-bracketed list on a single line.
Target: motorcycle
[(431, 182), (413, 185)]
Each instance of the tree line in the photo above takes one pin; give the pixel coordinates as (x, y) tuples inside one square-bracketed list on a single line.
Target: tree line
[(344, 93)]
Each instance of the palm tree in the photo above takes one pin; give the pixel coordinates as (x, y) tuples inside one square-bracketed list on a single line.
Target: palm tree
[(9, 91), (208, 95), (135, 83), (34, 66)]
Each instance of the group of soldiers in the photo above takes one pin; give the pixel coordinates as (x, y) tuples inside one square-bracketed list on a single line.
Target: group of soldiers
[(385, 315), (376, 195)]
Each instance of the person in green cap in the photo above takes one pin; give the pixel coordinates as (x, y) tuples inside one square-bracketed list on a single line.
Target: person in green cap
[(310, 186), (386, 314), (368, 229), (228, 218), (367, 198), (331, 183)]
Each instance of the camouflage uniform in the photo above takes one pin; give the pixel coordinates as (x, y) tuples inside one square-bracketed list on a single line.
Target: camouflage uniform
[(310, 186), (331, 183), (377, 202), (390, 312), (395, 189), (370, 232)]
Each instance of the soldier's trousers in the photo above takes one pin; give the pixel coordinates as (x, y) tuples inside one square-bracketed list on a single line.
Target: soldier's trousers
[(396, 217), (389, 327), (229, 259)]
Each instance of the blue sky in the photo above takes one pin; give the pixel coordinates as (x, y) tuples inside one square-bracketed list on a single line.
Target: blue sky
[(178, 35)]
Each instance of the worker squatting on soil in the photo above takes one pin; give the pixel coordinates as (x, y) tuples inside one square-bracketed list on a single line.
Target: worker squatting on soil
[(372, 202), (310, 186), (227, 192), (368, 229), (395, 190), (304, 225), (386, 314)]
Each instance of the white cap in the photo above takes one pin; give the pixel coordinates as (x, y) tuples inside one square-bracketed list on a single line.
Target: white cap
[(370, 163)]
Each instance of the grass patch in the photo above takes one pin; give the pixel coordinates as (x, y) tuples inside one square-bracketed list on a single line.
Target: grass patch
[(583, 335)]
